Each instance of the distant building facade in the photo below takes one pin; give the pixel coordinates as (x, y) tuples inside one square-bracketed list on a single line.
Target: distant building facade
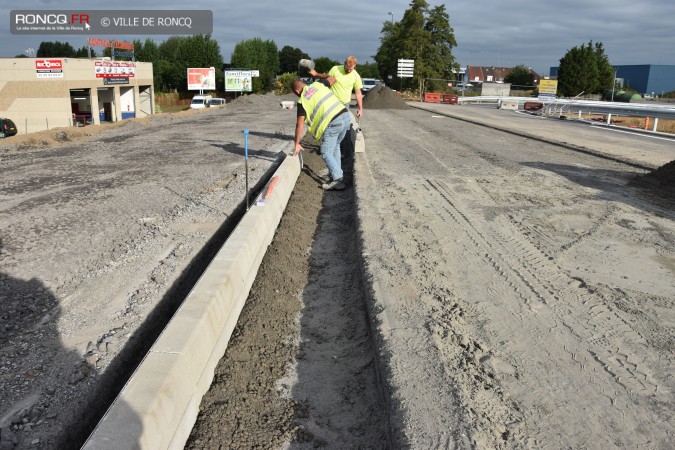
[(644, 78), (477, 75), (44, 93)]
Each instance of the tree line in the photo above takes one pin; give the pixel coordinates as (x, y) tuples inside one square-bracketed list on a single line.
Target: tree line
[(423, 34)]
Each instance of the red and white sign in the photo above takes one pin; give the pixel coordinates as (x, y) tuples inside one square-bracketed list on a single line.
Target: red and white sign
[(49, 68), (48, 64), (201, 78), (115, 69)]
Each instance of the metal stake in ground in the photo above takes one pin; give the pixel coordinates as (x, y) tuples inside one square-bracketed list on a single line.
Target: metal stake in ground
[(246, 164)]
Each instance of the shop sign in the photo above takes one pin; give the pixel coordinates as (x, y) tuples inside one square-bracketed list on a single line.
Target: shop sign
[(115, 69), (49, 68), (115, 81)]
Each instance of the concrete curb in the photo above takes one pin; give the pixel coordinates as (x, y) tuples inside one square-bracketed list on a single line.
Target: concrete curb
[(158, 406)]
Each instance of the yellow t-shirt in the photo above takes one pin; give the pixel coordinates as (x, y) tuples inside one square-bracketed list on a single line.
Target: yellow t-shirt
[(345, 83)]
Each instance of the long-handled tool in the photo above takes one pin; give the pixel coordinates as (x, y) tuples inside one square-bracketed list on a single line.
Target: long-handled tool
[(246, 164)]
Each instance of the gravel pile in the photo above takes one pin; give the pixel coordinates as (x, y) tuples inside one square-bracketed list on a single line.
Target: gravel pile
[(381, 97), (661, 179), (258, 102)]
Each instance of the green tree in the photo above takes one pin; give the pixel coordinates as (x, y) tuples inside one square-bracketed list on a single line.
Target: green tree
[(424, 35), (289, 57), (167, 49), (387, 54), (520, 76), (439, 61), (48, 49), (196, 51), (283, 83), (148, 51), (165, 75), (260, 55), (84, 52), (323, 64), (368, 70), (585, 69)]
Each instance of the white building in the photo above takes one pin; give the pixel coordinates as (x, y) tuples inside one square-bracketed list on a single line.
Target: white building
[(44, 93)]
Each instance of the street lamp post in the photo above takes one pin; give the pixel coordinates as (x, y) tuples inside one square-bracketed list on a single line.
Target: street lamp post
[(392, 17), (613, 84)]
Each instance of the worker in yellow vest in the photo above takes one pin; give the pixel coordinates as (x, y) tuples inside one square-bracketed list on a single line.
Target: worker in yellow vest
[(328, 122)]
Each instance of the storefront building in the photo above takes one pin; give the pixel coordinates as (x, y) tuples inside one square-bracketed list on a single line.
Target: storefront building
[(45, 93)]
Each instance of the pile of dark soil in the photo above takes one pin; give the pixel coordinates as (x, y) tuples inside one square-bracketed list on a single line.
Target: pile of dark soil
[(661, 179), (381, 97)]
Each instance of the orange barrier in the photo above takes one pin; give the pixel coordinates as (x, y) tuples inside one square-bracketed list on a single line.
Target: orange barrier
[(533, 106), (432, 97), (450, 99)]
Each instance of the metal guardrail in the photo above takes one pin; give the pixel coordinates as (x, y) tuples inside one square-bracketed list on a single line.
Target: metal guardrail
[(586, 106)]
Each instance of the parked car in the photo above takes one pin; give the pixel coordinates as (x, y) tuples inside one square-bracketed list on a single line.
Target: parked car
[(217, 102), (368, 84), (7, 128), (200, 101)]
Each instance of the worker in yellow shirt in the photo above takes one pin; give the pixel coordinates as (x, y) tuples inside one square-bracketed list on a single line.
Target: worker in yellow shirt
[(347, 79)]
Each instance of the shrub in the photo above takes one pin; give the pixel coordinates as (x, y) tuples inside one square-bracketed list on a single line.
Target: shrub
[(282, 85)]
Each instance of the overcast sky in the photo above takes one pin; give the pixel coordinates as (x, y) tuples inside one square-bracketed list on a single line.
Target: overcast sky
[(488, 33)]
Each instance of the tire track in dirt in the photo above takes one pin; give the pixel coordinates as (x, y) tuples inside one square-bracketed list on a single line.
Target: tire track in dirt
[(574, 311), (564, 338)]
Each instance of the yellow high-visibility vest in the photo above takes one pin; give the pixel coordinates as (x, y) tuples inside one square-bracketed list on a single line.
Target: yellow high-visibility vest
[(321, 106)]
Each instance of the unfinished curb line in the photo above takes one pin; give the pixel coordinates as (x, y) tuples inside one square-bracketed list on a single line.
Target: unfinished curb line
[(158, 406)]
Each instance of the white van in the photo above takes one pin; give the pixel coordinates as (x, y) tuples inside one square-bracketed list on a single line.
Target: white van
[(368, 84), (200, 101)]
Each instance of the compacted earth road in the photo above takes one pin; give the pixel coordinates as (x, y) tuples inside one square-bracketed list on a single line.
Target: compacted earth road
[(524, 291), (471, 288)]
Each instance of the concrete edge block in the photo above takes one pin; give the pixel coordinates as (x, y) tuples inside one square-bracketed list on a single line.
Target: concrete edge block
[(196, 327), (145, 411), (171, 380)]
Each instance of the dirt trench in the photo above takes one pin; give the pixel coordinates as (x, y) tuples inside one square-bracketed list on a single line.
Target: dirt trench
[(300, 368)]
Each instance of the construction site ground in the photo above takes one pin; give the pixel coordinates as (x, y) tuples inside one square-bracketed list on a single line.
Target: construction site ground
[(472, 288)]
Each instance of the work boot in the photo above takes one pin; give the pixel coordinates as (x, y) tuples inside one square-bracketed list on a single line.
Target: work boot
[(335, 185)]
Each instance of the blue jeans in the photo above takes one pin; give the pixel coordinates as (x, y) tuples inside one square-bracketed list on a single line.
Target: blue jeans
[(330, 144)]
